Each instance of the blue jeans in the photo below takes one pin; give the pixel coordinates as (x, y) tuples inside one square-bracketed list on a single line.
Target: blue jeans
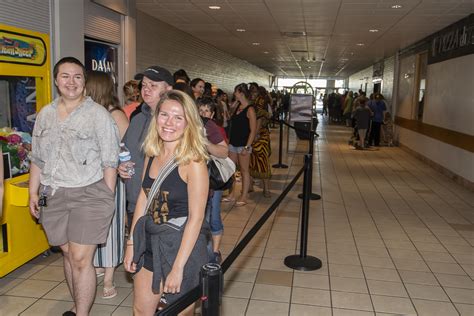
[(215, 220)]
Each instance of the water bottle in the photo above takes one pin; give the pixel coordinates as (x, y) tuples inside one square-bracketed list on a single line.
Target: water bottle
[(126, 157)]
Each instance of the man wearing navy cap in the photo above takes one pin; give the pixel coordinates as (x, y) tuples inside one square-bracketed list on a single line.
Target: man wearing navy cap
[(155, 81)]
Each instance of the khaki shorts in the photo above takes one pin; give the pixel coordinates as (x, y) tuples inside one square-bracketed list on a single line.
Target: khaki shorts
[(81, 215)]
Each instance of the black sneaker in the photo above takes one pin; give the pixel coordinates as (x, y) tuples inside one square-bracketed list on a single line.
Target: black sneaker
[(69, 313)]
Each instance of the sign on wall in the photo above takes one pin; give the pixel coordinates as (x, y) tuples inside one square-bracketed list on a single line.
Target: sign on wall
[(22, 49), (453, 41), (100, 56)]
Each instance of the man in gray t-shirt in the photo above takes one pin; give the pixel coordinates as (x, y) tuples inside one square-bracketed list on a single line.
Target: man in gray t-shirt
[(155, 81)]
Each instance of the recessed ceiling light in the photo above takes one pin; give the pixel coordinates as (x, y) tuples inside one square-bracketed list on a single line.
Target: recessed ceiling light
[(373, 30), (265, 52), (214, 7), (396, 6), (240, 30), (255, 44), (360, 44)]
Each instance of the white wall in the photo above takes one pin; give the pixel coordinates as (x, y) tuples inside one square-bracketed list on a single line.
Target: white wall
[(360, 78), (449, 98), (365, 75), (406, 88), (456, 160), (160, 44), (449, 104)]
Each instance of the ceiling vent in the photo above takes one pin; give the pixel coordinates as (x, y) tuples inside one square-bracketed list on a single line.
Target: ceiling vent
[(294, 34)]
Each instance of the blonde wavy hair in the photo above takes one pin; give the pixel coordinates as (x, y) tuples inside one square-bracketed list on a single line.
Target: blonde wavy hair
[(192, 145)]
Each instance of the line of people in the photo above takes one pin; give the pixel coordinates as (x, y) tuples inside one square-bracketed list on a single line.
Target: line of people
[(369, 118), (170, 125)]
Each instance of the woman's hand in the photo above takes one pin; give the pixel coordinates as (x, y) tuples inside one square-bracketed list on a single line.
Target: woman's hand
[(34, 206), (173, 281), (128, 263)]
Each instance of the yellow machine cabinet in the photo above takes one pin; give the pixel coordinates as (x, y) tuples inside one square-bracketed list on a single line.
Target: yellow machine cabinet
[(25, 87), (22, 238)]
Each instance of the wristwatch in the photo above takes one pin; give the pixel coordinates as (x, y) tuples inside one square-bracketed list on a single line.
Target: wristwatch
[(246, 147)]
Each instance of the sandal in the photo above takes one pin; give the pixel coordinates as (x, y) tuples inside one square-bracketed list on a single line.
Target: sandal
[(109, 293), (99, 273), (240, 203), (227, 200)]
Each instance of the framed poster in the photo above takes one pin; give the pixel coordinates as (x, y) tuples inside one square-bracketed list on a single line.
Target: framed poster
[(301, 107)]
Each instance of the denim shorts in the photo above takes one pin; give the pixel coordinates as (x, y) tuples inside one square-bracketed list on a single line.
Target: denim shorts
[(238, 150)]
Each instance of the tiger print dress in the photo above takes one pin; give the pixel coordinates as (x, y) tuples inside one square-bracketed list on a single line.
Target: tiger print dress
[(261, 149)]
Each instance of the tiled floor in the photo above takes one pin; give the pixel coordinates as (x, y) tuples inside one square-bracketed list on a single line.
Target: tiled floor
[(395, 238)]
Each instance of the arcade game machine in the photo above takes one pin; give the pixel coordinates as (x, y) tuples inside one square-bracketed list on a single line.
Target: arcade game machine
[(24, 89)]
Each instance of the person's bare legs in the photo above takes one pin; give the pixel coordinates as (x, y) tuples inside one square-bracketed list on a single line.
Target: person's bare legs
[(244, 161), (145, 301), (68, 270), (83, 276), (216, 242), (189, 311), (109, 277), (235, 159), (266, 187)]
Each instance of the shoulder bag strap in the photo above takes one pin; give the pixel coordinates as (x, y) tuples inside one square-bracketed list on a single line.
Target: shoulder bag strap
[(155, 187)]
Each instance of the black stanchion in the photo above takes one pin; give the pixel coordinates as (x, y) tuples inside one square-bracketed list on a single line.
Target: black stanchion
[(212, 286), (280, 164), (303, 262), (312, 196)]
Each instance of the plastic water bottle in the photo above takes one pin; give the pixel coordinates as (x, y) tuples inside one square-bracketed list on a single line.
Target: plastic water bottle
[(126, 157)]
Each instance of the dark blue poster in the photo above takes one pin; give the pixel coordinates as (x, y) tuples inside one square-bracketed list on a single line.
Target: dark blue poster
[(23, 103), (101, 56)]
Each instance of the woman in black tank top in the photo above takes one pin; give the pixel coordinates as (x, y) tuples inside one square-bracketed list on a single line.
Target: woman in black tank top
[(243, 128), (169, 242)]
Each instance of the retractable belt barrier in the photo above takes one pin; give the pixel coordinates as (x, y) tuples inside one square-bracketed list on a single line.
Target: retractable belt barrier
[(211, 287)]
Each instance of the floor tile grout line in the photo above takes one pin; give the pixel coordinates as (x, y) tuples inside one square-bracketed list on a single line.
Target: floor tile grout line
[(410, 238), (352, 231), (435, 179), (324, 220), (378, 230)]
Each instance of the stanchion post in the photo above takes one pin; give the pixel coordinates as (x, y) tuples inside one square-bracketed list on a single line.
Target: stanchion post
[(302, 261), (312, 196), (280, 149), (212, 287)]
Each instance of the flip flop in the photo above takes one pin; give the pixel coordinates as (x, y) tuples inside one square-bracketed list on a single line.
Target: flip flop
[(240, 203), (109, 293), (227, 200)]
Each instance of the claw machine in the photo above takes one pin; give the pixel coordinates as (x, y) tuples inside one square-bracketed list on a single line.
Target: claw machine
[(24, 88)]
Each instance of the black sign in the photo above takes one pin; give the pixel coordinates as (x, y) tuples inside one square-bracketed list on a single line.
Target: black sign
[(453, 41), (102, 57)]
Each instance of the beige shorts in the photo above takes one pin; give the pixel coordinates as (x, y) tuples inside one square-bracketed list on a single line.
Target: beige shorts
[(81, 215)]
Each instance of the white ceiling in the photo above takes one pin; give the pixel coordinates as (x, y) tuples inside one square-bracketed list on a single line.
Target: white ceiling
[(333, 29)]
